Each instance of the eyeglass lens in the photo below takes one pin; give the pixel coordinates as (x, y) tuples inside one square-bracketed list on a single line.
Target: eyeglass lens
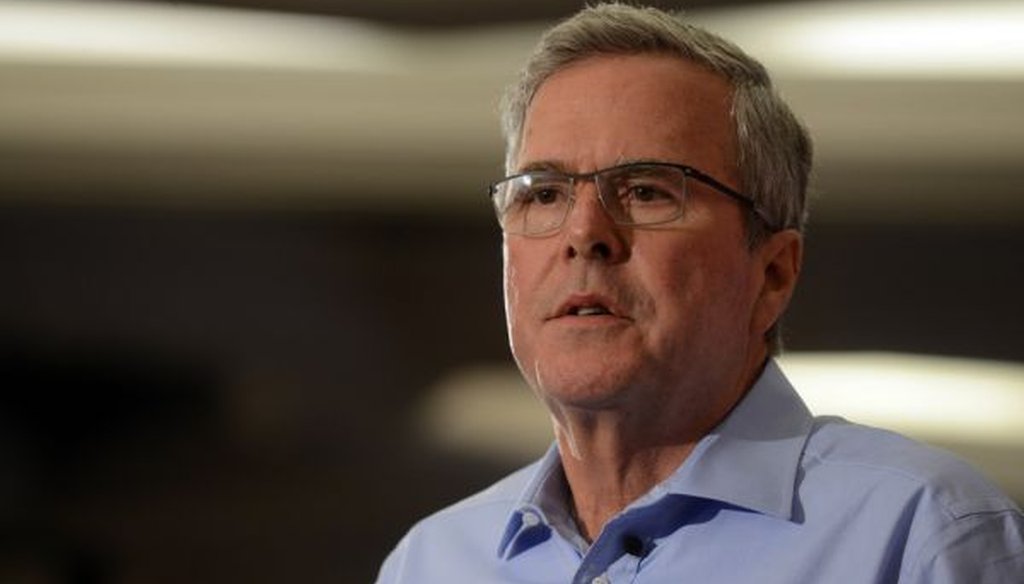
[(636, 194)]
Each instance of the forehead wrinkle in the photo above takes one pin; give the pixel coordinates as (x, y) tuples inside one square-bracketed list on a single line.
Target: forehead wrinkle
[(558, 166), (686, 115), (543, 165)]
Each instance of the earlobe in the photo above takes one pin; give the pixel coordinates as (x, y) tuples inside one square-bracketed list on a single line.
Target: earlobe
[(781, 257)]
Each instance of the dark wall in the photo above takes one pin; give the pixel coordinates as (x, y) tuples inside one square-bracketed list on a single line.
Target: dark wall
[(209, 396)]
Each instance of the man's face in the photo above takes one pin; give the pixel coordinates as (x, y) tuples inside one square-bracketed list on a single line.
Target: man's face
[(674, 302)]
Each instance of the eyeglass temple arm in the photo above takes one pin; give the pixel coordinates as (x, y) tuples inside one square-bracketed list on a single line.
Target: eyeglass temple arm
[(726, 190)]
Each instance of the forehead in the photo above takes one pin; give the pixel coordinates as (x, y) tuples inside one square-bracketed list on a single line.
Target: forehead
[(608, 109)]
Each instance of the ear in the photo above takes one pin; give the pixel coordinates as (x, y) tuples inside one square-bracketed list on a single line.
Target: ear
[(780, 258)]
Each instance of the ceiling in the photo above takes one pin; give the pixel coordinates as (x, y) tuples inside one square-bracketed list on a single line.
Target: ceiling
[(442, 13), (204, 104)]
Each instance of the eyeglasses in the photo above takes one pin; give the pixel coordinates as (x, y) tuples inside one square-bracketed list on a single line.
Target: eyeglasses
[(634, 194)]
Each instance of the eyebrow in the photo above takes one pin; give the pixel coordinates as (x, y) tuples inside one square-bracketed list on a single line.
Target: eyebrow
[(556, 166), (542, 165)]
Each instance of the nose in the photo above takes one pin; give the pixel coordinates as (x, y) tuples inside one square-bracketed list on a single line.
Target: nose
[(591, 233)]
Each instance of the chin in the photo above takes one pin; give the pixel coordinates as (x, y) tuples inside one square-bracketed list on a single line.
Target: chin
[(594, 389)]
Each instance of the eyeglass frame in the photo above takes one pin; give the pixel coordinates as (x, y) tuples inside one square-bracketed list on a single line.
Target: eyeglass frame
[(688, 172)]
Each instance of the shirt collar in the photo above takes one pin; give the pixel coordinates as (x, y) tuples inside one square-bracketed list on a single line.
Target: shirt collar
[(750, 460), (543, 505)]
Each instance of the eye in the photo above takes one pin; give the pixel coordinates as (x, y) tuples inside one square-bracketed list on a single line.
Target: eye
[(544, 196), (644, 193), (540, 194), (647, 193)]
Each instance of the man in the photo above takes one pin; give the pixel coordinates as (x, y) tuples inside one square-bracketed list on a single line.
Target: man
[(652, 222)]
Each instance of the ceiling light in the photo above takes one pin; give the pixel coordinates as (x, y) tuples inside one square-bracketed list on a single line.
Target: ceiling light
[(127, 33), (902, 39), (970, 406)]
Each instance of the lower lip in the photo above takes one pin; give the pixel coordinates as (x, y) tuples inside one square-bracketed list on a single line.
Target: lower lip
[(592, 320)]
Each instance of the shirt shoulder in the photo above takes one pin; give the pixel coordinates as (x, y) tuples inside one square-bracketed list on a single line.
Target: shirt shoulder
[(503, 494), (885, 456), (951, 522), (470, 528)]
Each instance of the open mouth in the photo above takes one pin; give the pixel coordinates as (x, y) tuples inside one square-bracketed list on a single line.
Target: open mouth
[(588, 305), (595, 310)]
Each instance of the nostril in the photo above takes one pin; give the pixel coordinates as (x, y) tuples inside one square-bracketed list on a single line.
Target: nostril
[(592, 234), (600, 249)]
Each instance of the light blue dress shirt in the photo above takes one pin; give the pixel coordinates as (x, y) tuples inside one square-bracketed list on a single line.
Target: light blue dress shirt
[(772, 495)]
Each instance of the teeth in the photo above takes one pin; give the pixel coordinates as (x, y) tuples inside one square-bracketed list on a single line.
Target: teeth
[(591, 310)]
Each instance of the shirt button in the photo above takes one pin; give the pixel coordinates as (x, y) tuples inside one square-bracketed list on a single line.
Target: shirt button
[(602, 579), (530, 519)]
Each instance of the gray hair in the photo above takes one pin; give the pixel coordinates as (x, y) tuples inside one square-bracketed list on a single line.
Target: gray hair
[(774, 150)]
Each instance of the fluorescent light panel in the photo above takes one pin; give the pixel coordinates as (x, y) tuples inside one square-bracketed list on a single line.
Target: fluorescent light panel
[(490, 410), (941, 398), (195, 36), (937, 39), (820, 39)]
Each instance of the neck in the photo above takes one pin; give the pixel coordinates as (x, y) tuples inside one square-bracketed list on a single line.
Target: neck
[(613, 457), (604, 478)]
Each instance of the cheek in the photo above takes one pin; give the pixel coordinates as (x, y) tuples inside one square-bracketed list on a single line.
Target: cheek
[(511, 289), (724, 301), (519, 290), (512, 277), (516, 280), (524, 274), (698, 292)]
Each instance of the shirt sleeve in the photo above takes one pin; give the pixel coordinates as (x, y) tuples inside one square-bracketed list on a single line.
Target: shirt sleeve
[(390, 570), (982, 548)]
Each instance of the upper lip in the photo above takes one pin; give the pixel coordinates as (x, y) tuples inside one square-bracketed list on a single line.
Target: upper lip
[(582, 300)]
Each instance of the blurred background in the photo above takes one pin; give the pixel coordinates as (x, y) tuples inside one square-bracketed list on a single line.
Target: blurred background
[(251, 324)]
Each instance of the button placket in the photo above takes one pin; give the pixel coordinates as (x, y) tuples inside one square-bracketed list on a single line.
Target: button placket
[(624, 569)]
